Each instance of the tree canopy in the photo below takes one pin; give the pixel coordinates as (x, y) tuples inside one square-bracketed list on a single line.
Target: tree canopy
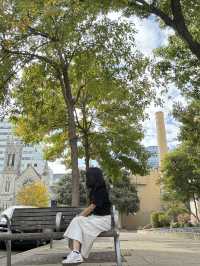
[(112, 91), (34, 194), (57, 35)]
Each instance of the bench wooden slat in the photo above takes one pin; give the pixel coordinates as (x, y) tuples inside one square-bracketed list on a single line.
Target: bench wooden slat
[(36, 218), (33, 219), (44, 210), (28, 222), (30, 236), (45, 235), (29, 214)]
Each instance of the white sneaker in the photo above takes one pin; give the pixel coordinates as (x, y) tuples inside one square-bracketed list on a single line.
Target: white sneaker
[(73, 257)]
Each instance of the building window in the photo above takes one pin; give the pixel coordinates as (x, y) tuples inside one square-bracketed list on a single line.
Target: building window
[(7, 185), (13, 160), (26, 158), (35, 165), (28, 181), (8, 161)]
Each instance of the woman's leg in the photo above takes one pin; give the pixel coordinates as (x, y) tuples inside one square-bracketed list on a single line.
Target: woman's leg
[(76, 245)]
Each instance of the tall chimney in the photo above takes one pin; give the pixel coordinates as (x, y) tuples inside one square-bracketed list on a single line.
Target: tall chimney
[(161, 135)]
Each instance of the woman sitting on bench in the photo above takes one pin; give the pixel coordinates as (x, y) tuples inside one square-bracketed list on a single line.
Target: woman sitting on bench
[(93, 220)]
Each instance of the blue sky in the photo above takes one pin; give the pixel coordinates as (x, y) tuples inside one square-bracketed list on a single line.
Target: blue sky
[(149, 36)]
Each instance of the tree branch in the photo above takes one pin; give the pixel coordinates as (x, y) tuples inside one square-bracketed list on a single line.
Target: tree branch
[(181, 28), (31, 56), (42, 34), (77, 121), (79, 93), (151, 8), (177, 22)]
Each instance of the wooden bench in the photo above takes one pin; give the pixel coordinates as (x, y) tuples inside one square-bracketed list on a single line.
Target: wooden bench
[(44, 224)]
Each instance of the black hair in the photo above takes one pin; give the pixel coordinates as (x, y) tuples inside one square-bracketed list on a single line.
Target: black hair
[(94, 178)]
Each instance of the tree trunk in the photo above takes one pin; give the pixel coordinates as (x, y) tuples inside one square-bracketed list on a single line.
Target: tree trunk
[(87, 151), (181, 28), (196, 209), (86, 137), (72, 139)]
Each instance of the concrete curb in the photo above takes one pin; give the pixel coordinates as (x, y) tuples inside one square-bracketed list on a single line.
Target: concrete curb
[(172, 233)]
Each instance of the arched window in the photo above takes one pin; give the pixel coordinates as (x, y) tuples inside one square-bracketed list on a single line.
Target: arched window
[(7, 185), (9, 158), (13, 160)]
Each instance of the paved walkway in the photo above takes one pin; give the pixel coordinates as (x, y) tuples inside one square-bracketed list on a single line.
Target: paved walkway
[(137, 250)]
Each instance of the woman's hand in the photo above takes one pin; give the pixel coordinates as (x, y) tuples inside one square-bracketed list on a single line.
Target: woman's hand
[(88, 210)]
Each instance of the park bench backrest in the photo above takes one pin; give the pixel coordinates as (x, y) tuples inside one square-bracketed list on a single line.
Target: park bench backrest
[(39, 219)]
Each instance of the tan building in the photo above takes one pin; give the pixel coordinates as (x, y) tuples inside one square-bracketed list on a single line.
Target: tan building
[(149, 187)]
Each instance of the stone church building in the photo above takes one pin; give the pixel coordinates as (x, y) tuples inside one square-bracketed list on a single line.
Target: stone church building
[(11, 179)]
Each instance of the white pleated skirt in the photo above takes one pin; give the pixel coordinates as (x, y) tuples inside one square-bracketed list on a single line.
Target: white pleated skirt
[(86, 230)]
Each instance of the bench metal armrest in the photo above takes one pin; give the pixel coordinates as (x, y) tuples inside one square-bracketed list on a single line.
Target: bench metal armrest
[(8, 222), (114, 221), (58, 221)]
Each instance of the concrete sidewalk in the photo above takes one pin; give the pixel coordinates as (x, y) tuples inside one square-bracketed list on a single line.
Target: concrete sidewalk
[(137, 250)]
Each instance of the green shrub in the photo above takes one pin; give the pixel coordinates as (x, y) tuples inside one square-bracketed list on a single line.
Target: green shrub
[(163, 219), (159, 219), (155, 219)]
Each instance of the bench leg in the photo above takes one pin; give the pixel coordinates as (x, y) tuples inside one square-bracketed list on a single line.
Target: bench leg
[(8, 249), (51, 243), (117, 250)]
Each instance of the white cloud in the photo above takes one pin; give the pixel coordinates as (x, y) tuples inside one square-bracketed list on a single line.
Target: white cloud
[(149, 35)]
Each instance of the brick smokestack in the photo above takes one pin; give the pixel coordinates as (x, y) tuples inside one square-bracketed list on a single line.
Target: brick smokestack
[(161, 135)]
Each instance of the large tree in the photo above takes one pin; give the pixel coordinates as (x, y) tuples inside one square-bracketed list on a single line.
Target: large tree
[(112, 91), (53, 33)]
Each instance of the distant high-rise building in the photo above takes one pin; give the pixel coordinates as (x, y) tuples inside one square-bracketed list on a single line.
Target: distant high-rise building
[(153, 160), (31, 154)]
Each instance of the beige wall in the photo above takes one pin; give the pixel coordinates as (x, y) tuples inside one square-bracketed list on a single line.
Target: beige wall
[(148, 188)]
